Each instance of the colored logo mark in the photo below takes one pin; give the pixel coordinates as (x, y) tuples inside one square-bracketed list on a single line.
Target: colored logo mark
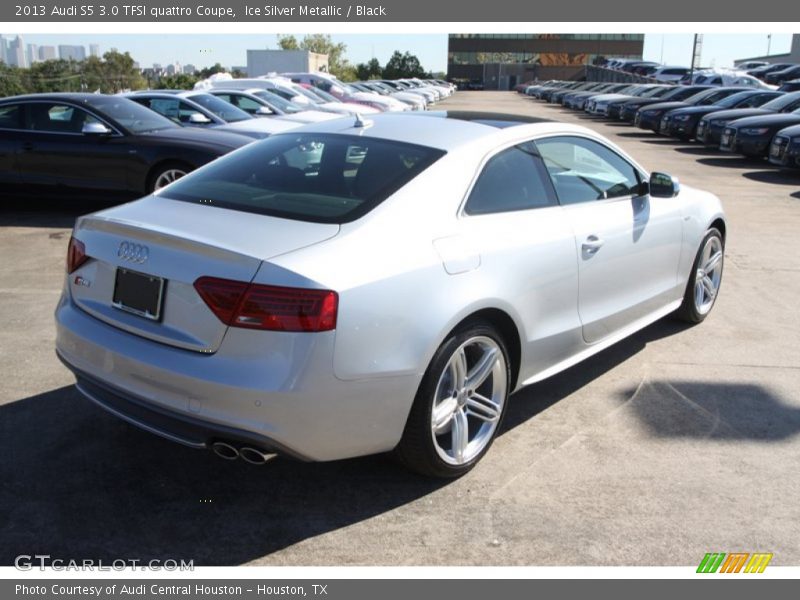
[(734, 562)]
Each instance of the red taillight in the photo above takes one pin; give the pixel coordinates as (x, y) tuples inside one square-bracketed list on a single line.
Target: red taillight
[(76, 254), (275, 308)]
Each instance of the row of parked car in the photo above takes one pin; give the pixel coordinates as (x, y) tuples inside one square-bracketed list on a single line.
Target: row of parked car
[(757, 123), (770, 74), (646, 68), (134, 143)]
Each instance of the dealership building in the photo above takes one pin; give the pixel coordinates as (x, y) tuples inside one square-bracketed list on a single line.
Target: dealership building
[(502, 60)]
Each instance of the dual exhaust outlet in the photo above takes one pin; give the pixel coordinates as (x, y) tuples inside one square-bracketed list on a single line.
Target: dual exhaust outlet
[(254, 456)]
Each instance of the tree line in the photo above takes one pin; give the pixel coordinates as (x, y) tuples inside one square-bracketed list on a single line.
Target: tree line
[(400, 65), (116, 71)]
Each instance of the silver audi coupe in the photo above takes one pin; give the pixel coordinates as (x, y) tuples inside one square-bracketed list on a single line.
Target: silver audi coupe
[(360, 286)]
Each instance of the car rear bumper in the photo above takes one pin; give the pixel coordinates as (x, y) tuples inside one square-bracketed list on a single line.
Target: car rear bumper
[(279, 393)]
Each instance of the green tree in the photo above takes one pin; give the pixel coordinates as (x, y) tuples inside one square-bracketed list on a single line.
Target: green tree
[(403, 65), (11, 83), (322, 43), (338, 65), (209, 71), (369, 70), (52, 76), (118, 73), (288, 42), (179, 81)]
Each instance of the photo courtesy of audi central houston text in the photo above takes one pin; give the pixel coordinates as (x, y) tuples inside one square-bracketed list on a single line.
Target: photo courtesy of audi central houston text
[(357, 299)]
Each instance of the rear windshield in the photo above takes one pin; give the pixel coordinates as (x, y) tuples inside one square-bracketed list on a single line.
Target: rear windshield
[(320, 178)]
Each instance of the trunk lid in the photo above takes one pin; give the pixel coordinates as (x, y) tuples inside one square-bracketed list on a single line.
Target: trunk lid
[(176, 242)]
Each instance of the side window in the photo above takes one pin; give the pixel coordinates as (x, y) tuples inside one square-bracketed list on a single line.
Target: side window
[(10, 116), (513, 179), (185, 111), (52, 117), (247, 104), (584, 170), (166, 107)]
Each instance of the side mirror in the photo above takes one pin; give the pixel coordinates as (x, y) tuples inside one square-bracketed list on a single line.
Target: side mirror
[(664, 186), (95, 128), (198, 119), (264, 111)]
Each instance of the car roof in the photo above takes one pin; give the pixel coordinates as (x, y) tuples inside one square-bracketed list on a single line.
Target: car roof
[(179, 93), (221, 90), (73, 96), (445, 130)]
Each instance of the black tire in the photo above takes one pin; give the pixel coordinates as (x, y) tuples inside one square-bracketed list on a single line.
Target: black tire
[(417, 450), (688, 310), (163, 168)]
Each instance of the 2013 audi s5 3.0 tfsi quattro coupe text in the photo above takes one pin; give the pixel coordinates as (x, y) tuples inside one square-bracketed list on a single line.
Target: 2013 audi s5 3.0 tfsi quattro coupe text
[(363, 286)]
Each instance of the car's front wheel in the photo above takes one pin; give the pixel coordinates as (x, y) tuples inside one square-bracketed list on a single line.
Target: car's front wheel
[(460, 404), (166, 174), (705, 279)]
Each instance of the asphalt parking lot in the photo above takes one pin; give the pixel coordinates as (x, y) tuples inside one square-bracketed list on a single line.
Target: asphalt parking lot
[(676, 442)]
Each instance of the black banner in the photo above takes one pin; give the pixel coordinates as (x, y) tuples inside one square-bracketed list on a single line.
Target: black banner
[(372, 589), (473, 11)]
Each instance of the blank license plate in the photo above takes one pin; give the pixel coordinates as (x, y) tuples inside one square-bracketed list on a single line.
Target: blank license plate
[(138, 293)]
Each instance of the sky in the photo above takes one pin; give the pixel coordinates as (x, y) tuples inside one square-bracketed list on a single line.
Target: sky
[(719, 50)]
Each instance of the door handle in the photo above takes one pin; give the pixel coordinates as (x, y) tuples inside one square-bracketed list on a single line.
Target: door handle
[(592, 244), (27, 146)]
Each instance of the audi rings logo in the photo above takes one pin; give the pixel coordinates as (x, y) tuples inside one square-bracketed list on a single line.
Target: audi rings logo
[(136, 253)]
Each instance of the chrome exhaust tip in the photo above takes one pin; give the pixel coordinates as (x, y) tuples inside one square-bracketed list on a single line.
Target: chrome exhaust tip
[(225, 451), (255, 456)]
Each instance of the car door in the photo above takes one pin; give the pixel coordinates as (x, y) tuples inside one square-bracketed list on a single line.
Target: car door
[(57, 157), (628, 244), (525, 253), (10, 126)]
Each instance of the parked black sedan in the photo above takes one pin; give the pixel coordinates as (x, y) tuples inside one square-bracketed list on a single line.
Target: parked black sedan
[(681, 122), (787, 74), (790, 86), (649, 117), (785, 148), (762, 72), (650, 92), (752, 136), (97, 146), (710, 127), (558, 96), (676, 94)]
